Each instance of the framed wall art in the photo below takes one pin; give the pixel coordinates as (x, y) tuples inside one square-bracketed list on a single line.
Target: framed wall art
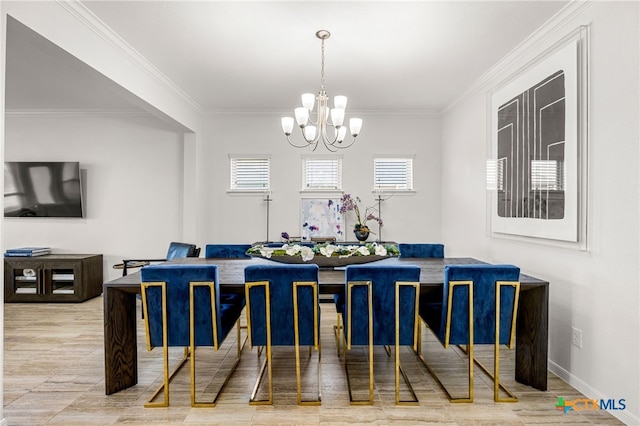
[(321, 218), (536, 170)]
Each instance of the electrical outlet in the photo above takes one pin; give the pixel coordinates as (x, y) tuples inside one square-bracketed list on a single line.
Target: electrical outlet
[(576, 337)]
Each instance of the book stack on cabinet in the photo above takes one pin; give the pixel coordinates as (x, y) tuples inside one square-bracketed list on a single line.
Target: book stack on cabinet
[(27, 252)]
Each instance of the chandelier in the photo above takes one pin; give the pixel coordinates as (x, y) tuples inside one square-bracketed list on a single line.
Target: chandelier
[(315, 131)]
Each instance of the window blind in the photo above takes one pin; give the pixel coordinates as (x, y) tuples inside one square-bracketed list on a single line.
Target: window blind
[(250, 174), (322, 173), (393, 173)]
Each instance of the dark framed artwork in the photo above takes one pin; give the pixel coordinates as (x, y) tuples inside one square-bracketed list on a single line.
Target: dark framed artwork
[(536, 171)]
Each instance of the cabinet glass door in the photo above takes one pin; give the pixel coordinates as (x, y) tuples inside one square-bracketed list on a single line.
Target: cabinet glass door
[(62, 281), (26, 281)]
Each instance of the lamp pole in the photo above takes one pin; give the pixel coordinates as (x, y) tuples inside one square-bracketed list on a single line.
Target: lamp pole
[(379, 200), (268, 200)]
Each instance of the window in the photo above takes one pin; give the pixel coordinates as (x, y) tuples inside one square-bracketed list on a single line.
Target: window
[(393, 174), (250, 173), (321, 173)]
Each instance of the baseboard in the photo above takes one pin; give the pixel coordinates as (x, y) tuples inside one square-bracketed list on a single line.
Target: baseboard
[(624, 416)]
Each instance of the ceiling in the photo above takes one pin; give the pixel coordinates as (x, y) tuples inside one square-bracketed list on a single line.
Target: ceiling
[(260, 56)]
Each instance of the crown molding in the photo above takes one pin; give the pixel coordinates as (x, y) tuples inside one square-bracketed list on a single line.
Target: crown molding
[(398, 112), (80, 12), (531, 44), (74, 112)]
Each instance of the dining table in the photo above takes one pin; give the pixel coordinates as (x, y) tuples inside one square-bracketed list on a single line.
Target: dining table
[(121, 319)]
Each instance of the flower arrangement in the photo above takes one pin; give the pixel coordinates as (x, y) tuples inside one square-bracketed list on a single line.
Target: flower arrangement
[(307, 253), (349, 203)]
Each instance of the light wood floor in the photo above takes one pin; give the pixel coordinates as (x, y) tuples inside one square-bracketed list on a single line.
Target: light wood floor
[(54, 374)]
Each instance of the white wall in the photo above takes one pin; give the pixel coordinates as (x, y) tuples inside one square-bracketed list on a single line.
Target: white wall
[(133, 168), (241, 219), (595, 291)]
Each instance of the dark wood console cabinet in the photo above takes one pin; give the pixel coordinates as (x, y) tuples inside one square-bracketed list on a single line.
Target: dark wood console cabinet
[(53, 278)]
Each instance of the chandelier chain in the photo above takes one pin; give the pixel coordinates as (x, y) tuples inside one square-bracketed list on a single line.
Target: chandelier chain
[(322, 66)]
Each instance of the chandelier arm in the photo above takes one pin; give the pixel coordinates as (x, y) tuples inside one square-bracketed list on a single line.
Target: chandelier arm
[(340, 146), (330, 147), (298, 146), (325, 137)]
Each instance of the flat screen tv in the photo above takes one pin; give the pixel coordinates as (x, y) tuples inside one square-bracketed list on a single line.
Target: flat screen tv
[(42, 189)]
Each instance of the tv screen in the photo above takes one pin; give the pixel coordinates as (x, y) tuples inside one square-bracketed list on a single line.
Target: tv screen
[(42, 189)]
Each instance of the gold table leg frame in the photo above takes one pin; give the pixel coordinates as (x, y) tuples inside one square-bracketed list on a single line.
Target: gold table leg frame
[(267, 364)]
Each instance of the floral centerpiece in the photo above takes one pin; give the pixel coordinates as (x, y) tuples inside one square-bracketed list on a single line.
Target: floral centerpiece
[(326, 254), (361, 229)]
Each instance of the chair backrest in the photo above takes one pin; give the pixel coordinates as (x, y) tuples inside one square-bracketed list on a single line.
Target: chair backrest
[(484, 279), (180, 250), (421, 250), (384, 280), (226, 251), (281, 278), (178, 279)]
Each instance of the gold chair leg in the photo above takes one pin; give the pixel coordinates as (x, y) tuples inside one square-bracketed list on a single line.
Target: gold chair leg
[(199, 404), (214, 335), (495, 376), (165, 348), (470, 349), (266, 365), (400, 371), (168, 377), (450, 397), (353, 401), (347, 344), (316, 339), (416, 326), (337, 329)]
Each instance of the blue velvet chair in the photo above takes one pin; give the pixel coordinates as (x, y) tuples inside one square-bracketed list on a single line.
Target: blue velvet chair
[(421, 250), (479, 306), (283, 310), (380, 308), (226, 251), (175, 251), (184, 306)]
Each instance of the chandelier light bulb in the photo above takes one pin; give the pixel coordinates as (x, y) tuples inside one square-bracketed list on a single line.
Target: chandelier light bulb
[(287, 125), (355, 125), (340, 102), (319, 127), (308, 99), (309, 132), (337, 116), (302, 116), (342, 132)]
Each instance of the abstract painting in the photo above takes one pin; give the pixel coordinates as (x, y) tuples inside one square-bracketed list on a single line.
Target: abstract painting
[(321, 218), (533, 170)]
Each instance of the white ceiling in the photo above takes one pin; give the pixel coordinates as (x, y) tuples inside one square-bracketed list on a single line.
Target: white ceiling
[(241, 55)]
